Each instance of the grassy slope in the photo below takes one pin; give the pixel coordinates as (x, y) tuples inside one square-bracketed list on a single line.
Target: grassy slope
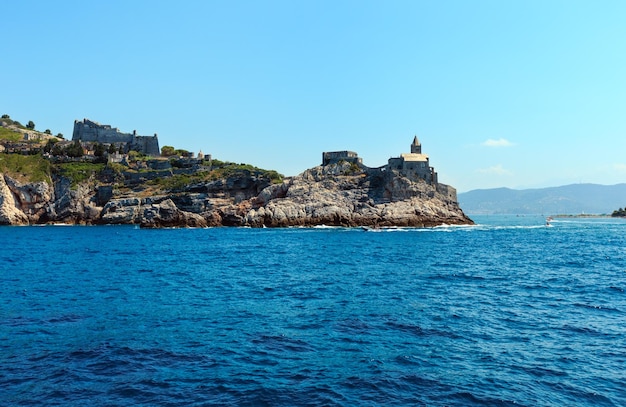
[(9, 135), (80, 171), (225, 170), (25, 168), (35, 168)]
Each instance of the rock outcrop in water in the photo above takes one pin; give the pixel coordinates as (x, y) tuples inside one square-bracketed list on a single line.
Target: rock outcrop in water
[(343, 194), (339, 194)]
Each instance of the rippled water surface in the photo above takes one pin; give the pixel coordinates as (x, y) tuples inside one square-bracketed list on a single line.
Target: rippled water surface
[(508, 312)]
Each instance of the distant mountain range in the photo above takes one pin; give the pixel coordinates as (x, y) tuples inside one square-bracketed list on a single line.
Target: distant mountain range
[(567, 200)]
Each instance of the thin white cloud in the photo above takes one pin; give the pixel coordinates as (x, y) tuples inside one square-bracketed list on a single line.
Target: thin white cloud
[(502, 142), (495, 170)]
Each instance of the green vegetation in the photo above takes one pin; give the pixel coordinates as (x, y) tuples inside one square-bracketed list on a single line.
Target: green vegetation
[(222, 169), (117, 168), (98, 150), (353, 169), (225, 170), (9, 121), (25, 168), (137, 156), (35, 168), (79, 172), (50, 145), (178, 181), (74, 150), (620, 213), (169, 151), (9, 135)]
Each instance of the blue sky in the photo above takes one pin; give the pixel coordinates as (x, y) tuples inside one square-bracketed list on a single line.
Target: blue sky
[(519, 94)]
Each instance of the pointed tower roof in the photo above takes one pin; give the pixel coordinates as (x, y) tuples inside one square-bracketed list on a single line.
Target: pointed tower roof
[(416, 147)]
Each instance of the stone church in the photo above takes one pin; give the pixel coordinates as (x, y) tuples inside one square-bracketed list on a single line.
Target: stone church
[(414, 164)]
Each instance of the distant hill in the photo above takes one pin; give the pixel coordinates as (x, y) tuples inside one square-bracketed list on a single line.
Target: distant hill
[(568, 199)]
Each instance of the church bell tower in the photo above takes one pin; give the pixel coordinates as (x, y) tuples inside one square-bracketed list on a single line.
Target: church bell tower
[(416, 147)]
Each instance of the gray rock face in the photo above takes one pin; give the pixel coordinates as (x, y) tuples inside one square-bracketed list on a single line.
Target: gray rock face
[(337, 195), (41, 202), (121, 211), (69, 205), (32, 197), (166, 214), (334, 195), (10, 213)]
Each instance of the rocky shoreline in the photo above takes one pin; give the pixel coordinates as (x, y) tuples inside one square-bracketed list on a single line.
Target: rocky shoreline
[(339, 194)]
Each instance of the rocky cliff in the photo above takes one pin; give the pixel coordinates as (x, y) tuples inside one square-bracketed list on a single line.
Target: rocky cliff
[(339, 194), (343, 195)]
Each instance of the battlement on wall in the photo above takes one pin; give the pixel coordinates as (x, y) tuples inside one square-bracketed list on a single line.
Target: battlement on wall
[(331, 157), (90, 131)]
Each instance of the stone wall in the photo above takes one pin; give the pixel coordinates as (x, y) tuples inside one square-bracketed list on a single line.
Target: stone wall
[(333, 157), (448, 191), (87, 130), (146, 144), (90, 131)]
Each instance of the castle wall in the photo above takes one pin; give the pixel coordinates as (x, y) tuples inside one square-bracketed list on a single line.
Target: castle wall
[(95, 132), (331, 157), (395, 164), (146, 144), (420, 169), (412, 169), (448, 191), (89, 131), (434, 177)]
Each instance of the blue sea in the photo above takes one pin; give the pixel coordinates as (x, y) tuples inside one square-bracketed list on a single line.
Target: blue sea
[(507, 312)]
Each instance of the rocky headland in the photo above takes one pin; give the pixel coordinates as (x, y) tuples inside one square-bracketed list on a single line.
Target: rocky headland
[(338, 194), (104, 177)]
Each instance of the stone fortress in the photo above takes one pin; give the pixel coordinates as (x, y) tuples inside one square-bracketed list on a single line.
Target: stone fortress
[(94, 132), (332, 157), (413, 165)]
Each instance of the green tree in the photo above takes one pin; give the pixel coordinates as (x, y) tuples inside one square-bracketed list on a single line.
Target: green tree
[(74, 150), (57, 150), (60, 135), (48, 131), (619, 213), (5, 116), (30, 125), (112, 149), (137, 155), (49, 145), (98, 150), (168, 151)]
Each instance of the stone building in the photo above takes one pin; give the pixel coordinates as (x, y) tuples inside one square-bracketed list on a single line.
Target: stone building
[(90, 131), (414, 164), (332, 157)]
